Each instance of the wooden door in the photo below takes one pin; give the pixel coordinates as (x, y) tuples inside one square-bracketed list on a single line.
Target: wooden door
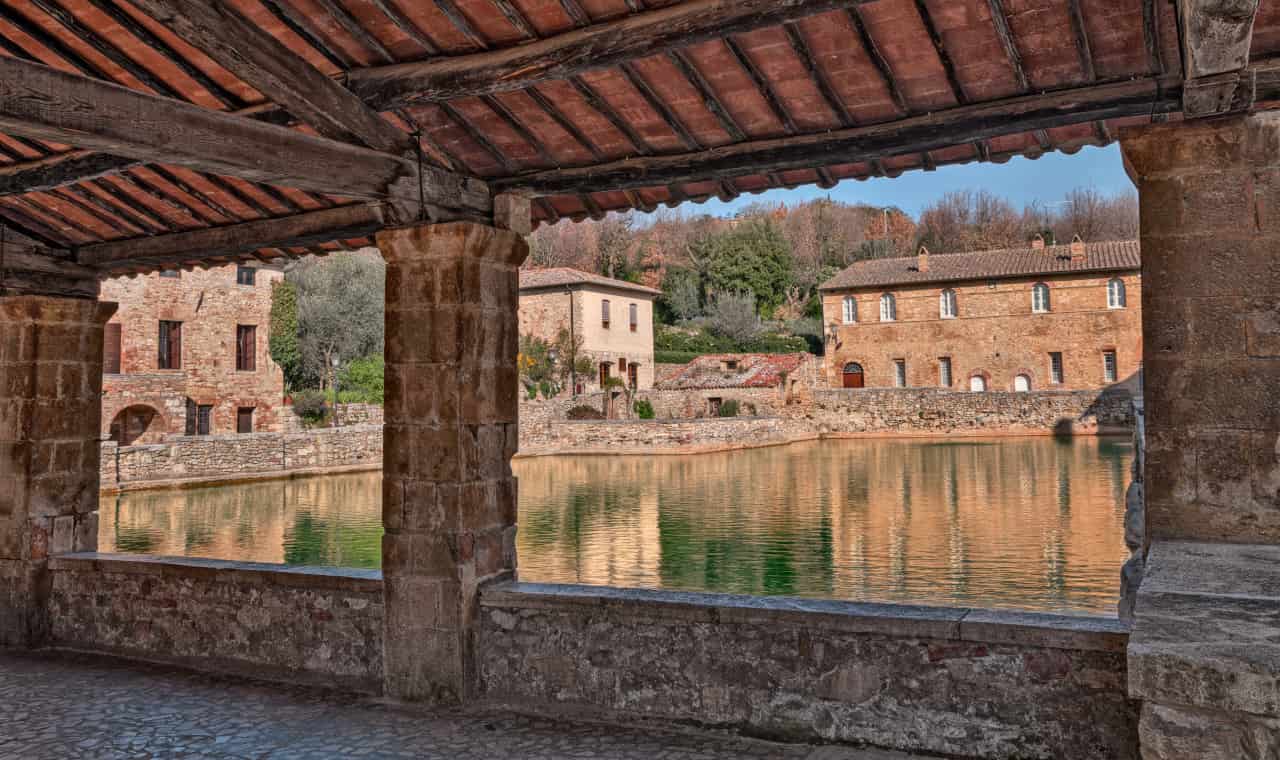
[(853, 376)]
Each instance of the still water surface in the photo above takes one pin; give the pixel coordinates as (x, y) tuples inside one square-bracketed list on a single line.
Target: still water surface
[(1018, 523)]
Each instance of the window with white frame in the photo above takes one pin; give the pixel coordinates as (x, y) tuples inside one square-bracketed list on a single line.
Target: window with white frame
[(888, 308), (1115, 294), (1040, 298), (1109, 370), (944, 371), (1055, 367), (850, 310), (900, 373), (947, 304)]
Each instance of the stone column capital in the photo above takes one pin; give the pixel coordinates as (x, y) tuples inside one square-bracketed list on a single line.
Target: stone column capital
[(1205, 146), (38, 308), (454, 240)]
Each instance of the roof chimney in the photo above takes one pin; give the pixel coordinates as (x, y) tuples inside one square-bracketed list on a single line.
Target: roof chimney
[(1037, 243), (1077, 249), (923, 261)]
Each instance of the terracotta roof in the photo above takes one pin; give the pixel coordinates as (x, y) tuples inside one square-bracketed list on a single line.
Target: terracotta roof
[(753, 371), (989, 265), (559, 277)]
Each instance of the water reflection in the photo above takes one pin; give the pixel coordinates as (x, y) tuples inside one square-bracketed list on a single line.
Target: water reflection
[(1020, 523)]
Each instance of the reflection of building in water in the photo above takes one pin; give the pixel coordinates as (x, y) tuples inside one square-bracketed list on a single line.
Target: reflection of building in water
[(334, 520), (1019, 523)]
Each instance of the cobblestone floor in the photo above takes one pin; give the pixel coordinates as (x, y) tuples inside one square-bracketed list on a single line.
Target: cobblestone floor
[(64, 706)]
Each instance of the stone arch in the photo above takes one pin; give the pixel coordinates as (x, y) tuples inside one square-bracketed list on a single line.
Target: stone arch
[(853, 376), (137, 423), (979, 381)]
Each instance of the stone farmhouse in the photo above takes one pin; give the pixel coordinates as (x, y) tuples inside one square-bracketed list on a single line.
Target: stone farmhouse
[(613, 318), (1065, 317), (186, 354)]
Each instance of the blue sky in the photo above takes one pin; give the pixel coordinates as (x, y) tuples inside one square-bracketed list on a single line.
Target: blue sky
[(1021, 180)]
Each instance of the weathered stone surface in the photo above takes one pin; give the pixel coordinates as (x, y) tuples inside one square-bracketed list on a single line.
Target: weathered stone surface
[(451, 415), (1175, 733), (320, 625), (900, 678), (50, 400)]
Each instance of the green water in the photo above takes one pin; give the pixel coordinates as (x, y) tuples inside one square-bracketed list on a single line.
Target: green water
[(1029, 523)]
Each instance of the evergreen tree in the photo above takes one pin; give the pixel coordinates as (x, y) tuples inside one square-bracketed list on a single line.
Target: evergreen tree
[(286, 351)]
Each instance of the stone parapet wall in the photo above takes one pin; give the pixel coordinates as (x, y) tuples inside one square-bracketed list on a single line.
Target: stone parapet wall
[(931, 411), (644, 436), (958, 682), (319, 625), (348, 415), (214, 457)]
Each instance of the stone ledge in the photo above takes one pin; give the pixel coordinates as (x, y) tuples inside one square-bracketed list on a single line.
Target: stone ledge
[(1205, 628), (335, 578), (942, 623)]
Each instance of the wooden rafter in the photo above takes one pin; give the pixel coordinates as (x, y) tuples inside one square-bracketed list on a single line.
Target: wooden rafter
[(303, 229), (1081, 33), (879, 61), (1005, 35), (257, 57), (940, 48), (587, 48), (934, 131), (45, 103)]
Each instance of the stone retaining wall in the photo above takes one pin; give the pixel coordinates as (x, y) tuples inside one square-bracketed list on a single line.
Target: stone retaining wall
[(348, 415), (215, 457), (320, 625), (971, 683), (646, 436)]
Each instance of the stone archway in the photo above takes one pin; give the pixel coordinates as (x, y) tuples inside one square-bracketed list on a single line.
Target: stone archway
[(853, 376), (135, 424)]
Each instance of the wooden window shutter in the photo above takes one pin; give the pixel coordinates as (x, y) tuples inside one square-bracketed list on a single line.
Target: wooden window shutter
[(111, 349)]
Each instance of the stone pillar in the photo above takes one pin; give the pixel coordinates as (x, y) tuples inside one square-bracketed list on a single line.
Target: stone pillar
[(1203, 655), (449, 499), (50, 426), (1210, 200)]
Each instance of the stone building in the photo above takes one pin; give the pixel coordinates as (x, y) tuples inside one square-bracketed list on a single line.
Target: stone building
[(186, 354), (613, 318), (1041, 318)]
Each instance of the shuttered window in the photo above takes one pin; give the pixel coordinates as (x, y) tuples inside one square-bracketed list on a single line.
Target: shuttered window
[(604, 314), (170, 345), (111, 349), (246, 348), (204, 420), (246, 275), (635, 317), (244, 420)]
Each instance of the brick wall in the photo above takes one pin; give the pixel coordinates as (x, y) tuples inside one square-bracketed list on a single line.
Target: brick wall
[(210, 305), (995, 334)]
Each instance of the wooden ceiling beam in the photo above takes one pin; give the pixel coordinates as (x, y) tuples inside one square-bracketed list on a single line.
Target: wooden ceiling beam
[(1005, 35), (48, 104), (236, 239), (1081, 32), (61, 169), (933, 131), (260, 59), (587, 48)]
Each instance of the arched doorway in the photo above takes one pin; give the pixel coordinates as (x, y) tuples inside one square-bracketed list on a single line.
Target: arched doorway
[(1022, 384), (853, 377), (134, 423), (978, 384)]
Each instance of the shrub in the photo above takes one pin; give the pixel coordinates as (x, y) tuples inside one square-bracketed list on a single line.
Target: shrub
[(585, 413), (362, 381), (729, 408), (774, 343), (310, 405), (644, 409), (674, 357), (733, 316)]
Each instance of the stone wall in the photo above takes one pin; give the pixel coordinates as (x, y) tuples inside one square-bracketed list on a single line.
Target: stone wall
[(958, 682), (348, 415), (318, 625), (219, 457), (646, 436), (937, 412)]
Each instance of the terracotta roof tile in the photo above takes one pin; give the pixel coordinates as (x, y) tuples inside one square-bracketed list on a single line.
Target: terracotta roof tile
[(989, 265), (752, 371), (559, 277)]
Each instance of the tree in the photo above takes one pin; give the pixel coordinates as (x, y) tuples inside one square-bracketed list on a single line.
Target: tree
[(570, 361), (682, 294), (283, 339), (751, 257), (340, 310), (734, 316), (537, 370), (970, 220)]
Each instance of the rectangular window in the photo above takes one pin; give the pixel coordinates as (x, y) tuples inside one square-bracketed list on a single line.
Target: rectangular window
[(244, 420), (204, 419), (111, 349), (944, 371), (170, 346), (604, 314), (246, 275), (605, 367), (172, 274), (900, 373), (1055, 367), (1109, 371), (633, 374), (246, 348), (635, 317), (622, 364)]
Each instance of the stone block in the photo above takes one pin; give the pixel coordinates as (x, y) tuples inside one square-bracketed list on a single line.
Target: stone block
[(1223, 467), (1177, 733)]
